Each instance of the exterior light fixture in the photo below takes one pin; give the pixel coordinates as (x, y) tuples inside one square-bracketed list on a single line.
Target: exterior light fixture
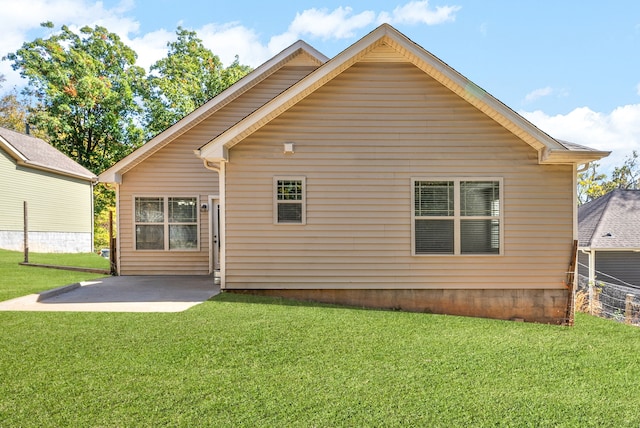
[(288, 148)]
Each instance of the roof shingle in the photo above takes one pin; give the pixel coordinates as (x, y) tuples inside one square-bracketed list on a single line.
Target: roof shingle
[(40, 154), (611, 221)]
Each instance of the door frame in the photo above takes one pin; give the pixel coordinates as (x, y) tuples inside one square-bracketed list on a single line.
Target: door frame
[(214, 233)]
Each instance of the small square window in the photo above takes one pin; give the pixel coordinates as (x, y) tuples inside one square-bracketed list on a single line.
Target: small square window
[(289, 200)]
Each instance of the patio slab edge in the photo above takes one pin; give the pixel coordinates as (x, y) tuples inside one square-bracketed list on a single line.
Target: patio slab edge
[(57, 291)]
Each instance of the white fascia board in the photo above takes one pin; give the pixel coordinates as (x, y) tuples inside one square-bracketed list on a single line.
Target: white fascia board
[(215, 153), (12, 151), (566, 156)]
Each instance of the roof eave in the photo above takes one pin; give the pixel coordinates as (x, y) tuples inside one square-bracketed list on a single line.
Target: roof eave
[(24, 161), (12, 151), (59, 171), (564, 156)]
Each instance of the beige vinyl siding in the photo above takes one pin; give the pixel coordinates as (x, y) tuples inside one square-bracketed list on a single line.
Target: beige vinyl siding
[(56, 203), (176, 171), (358, 141)]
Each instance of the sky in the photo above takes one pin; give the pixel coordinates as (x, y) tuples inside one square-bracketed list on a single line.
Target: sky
[(571, 67)]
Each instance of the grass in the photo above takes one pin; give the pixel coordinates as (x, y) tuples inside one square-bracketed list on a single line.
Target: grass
[(239, 361), (87, 260), (16, 280)]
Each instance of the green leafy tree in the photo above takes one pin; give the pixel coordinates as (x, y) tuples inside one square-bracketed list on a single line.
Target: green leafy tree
[(592, 184), (85, 87), (13, 112), (627, 176), (186, 78)]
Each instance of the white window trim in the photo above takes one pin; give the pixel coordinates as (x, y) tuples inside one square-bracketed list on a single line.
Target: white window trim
[(303, 202), (166, 223), (457, 217)]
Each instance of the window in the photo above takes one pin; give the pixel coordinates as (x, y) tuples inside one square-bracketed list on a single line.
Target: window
[(459, 216), (289, 200), (166, 223)]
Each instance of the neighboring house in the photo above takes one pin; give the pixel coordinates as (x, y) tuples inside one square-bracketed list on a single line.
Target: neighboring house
[(58, 192), (379, 178), (610, 238)]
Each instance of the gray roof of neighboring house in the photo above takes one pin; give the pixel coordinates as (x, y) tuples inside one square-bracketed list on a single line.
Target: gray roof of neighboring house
[(36, 153), (611, 221)]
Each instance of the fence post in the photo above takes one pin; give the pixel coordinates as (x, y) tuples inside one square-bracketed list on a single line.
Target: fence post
[(591, 293), (26, 231), (628, 308)]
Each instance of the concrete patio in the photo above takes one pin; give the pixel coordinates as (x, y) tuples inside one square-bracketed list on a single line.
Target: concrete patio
[(121, 294)]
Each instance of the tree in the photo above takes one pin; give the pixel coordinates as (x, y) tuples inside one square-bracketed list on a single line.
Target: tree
[(188, 77), (85, 86), (627, 176), (593, 184), (13, 112)]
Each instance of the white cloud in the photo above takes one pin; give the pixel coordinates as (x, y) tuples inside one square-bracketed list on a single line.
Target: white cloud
[(150, 47), (618, 131), (537, 94), (337, 24), (20, 24), (233, 39), (418, 12)]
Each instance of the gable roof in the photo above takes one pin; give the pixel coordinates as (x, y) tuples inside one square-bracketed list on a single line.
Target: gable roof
[(33, 152), (289, 56), (611, 221), (549, 150)]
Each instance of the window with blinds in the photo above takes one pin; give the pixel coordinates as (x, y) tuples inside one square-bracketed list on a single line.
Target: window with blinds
[(457, 216), (289, 200), (166, 223)]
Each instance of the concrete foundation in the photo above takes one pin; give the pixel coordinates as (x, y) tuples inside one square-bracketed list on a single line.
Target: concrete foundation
[(542, 306), (47, 242)]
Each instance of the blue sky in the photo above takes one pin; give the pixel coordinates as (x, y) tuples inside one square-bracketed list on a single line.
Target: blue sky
[(571, 67)]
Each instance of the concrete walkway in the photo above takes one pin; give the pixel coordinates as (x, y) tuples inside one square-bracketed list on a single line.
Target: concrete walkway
[(121, 294)]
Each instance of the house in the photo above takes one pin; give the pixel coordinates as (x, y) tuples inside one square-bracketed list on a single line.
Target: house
[(609, 232), (379, 178), (58, 192)]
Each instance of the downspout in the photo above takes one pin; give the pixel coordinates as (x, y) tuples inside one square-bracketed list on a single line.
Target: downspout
[(210, 166)]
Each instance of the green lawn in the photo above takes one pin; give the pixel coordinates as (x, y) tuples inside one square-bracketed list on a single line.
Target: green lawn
[(16, 280), (246, 361)]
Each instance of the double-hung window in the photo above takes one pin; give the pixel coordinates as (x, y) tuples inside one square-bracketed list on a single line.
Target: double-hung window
[(457, 216), (289, 203), (166, 223)]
